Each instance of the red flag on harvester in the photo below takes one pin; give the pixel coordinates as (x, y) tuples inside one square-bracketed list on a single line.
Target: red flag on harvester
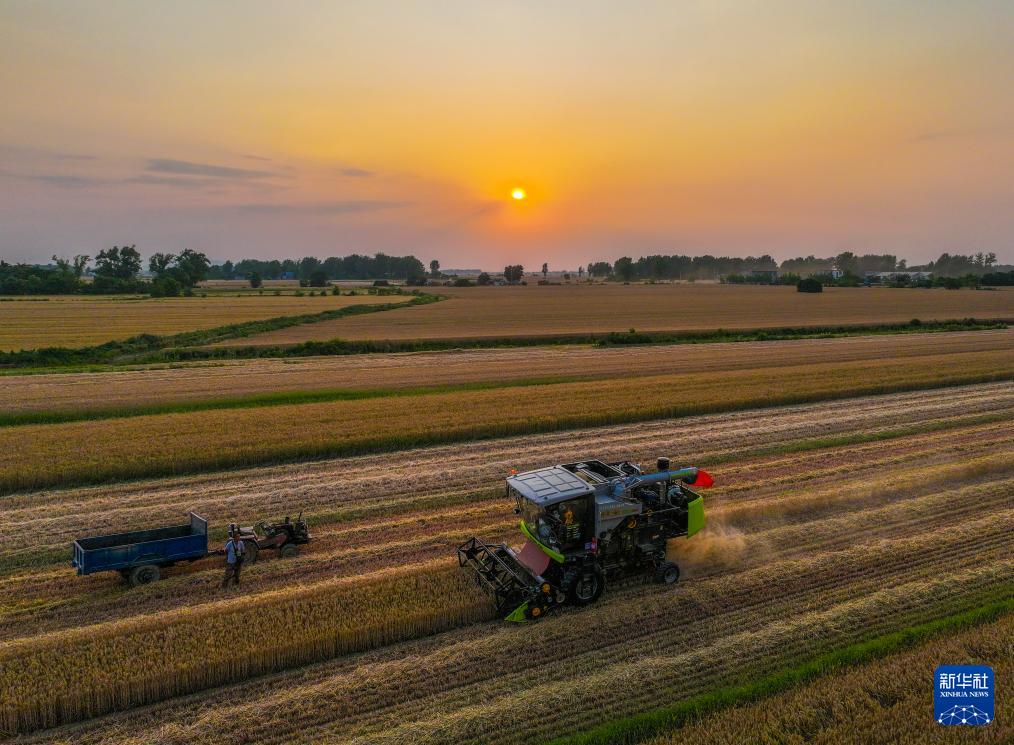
[(703, 479)]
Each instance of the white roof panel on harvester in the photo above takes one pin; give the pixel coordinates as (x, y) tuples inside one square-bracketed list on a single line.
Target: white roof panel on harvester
[(549, 485)]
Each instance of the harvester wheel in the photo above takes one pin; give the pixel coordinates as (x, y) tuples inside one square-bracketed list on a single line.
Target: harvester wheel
[(250, 550), (144, 575), (289, 550), (588, 587), (667, 573)]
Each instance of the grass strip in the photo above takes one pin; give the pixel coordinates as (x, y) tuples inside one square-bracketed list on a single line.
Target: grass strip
[(128, 350), (640, 727)]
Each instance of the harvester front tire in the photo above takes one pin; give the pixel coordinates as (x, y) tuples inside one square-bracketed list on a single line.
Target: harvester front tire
[(667, 573), (588, 587), (144, 575)]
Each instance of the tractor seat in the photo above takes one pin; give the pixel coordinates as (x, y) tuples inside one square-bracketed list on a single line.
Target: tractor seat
[(248, 529)]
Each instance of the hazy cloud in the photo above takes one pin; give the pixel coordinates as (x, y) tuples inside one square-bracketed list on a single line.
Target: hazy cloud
[(186, 168), (357, 172), (174, 181), (321, 208), (257, 157), (57, 179)]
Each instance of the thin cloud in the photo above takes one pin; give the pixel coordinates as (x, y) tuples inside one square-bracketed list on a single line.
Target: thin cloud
[(357, 173), (57, 179), (187, 168), (345, 207), (258, 157), (173, 181)]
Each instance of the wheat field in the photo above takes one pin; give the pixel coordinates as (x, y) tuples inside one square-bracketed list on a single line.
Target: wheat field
[(35, 456), (852, 533), (78, 321), (192, 382), (494, 312)]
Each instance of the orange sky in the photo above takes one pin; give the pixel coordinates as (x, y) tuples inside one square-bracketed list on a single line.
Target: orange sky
[(284, 129)]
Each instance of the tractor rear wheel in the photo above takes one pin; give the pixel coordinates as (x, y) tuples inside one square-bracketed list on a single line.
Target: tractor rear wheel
[(144, 575), (588, 587), (668, 573), (250, 550), (289, 550)]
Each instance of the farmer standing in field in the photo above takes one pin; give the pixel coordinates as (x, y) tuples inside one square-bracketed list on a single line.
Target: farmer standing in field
[(234, 553)]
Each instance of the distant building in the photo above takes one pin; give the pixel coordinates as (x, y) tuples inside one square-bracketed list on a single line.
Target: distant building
[(764, 275), (897, 276)]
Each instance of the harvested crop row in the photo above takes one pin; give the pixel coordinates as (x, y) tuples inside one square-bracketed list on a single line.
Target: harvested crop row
[(82, 452), (881, 701), (42, 602), (365, 488), (464, 659), (182, 630), (124, 390)]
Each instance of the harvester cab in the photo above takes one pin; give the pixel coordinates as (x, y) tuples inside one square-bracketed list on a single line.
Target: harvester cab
[(584, 523)]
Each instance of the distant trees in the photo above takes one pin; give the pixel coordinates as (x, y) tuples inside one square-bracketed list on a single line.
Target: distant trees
[(355, 266), (186, 269), (435, 269), (624, 268), (318, 277), (513, 273), (545, 270), (255, 280), (484, 279), (118, 263), (845, 264), (998, 279), (809, 284)]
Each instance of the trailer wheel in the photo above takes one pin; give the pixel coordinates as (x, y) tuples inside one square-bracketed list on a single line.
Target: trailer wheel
[(144, 575), (289, 550), (588, 587), (250, 550), (667, 573)]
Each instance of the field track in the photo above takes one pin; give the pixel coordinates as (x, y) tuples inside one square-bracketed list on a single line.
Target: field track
[(852, 534)]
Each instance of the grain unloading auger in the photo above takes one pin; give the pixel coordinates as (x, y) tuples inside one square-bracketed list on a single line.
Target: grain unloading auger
[(585, 523)]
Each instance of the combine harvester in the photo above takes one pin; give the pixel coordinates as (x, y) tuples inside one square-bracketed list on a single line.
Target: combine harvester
[(585, 523)]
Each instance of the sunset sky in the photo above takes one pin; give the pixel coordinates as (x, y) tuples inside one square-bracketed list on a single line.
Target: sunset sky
[(274, 130)]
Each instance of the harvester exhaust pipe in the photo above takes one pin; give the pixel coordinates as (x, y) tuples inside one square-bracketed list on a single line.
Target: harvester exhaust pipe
[(662, 464)]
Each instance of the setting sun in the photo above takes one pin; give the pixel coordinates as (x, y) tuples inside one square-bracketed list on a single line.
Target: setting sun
[(518, 194)]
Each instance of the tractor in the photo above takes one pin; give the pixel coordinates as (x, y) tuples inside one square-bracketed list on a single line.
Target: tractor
[(586, 523), (285, 537)]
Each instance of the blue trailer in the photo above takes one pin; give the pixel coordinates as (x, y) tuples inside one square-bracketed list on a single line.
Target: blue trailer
[(139, 556)]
